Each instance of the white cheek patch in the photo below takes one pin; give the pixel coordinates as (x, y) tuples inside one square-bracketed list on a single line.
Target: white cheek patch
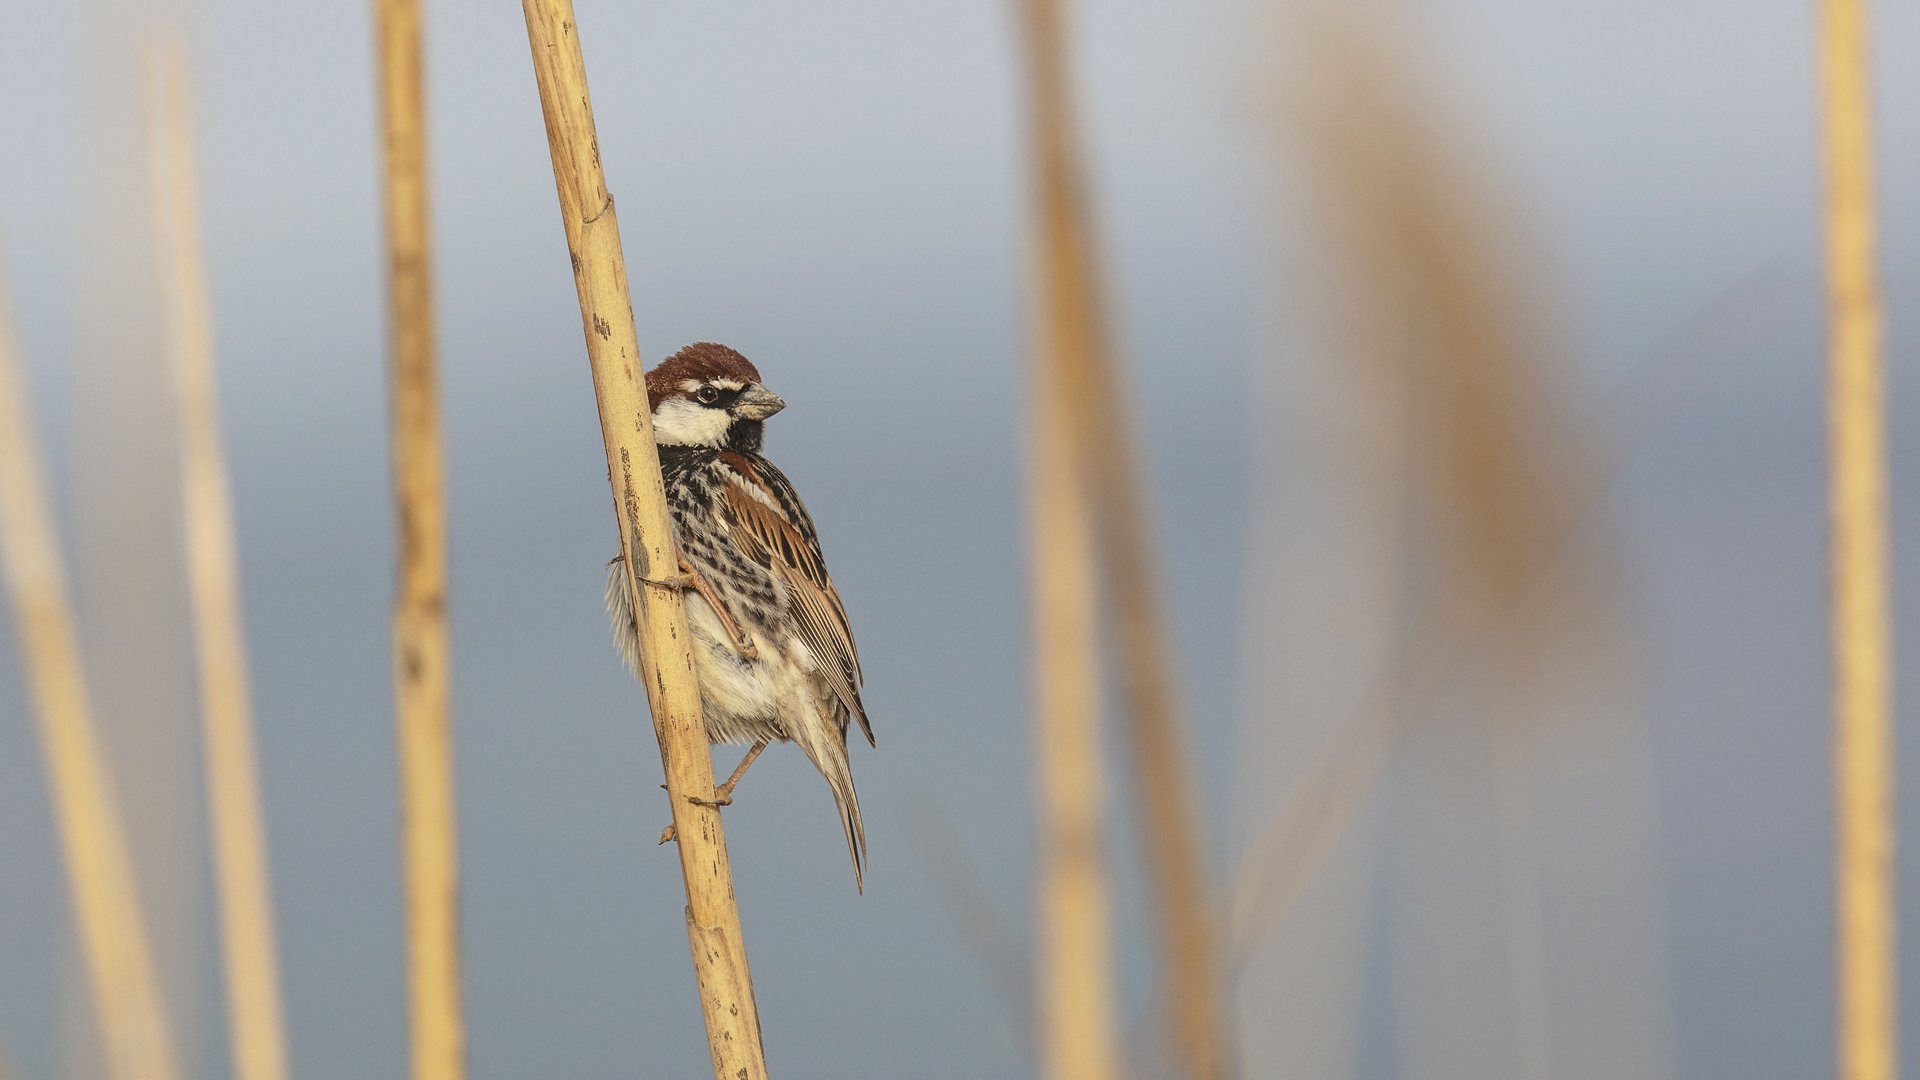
[(679, 422)]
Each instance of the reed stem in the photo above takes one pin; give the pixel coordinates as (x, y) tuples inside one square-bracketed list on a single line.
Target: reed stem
[(1090, 410), (421, 660), (646, 539), (249, 957), (93, 840), (1866, 951)]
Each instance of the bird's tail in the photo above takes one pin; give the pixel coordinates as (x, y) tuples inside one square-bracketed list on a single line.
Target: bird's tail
[(829, 755)]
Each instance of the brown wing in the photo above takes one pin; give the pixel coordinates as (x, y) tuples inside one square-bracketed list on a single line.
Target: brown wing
[(777, 534)]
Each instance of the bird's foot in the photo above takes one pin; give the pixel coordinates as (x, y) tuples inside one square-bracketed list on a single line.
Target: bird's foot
[(690, 578), (669, 833), (723, 795)]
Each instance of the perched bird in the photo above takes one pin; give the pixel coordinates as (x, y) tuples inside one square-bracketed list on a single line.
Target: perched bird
[(772, 647)]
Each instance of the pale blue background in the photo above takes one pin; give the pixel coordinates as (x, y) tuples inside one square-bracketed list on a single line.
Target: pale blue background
[(834, 189)]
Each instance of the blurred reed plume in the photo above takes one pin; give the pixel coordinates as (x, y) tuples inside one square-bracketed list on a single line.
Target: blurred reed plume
[(421, 661), (107, 916), (249, 953), (714, 934), (1088, 507), (1863, 759), (1434, 609)]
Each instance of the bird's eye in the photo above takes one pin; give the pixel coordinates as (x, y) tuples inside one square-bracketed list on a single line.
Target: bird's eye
[(708, 395)]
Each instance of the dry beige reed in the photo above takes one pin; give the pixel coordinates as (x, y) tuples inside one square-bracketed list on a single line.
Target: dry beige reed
[(1866, 951), (1089, 512), (256, 1029), (646, 541), (422, 665), (114, 944)]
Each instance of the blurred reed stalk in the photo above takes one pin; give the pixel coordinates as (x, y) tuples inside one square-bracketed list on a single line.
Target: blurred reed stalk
[(1073, 939), (99, 865), (250, 961), (646, 540), (1863, 762), (1087, 484), (421, 662)]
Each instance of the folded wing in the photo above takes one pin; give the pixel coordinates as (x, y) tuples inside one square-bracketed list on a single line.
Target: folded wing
[(772, 527)]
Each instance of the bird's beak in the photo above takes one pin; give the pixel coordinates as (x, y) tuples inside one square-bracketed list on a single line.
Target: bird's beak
[(757, 402)]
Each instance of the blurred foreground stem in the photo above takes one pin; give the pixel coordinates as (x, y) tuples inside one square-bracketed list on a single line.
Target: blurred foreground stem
[(1087, 483), (421, 660), (256, 1032), (1862, 658), (100, 880)]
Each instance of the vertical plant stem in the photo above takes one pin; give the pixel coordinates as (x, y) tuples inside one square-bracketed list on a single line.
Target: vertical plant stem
[(106, 907), (1073, 939), (1074, 936), (646, 538), (250, 961), (421, 663), (1091, 408), (1863, 677)]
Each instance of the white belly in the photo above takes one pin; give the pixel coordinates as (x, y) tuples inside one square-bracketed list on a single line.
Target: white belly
[(744, 700)]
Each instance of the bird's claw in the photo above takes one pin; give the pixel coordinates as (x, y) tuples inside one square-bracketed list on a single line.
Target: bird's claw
[(669, 833), (685, 579), (720, 798), (689, 578)]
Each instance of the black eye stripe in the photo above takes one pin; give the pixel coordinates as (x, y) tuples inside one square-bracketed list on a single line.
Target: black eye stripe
[(717, 397)]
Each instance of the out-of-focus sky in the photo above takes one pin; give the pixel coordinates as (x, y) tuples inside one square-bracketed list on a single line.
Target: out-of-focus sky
[(835, 190)]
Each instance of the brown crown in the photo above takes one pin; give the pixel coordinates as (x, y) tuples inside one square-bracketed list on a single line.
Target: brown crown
[(699, 361)]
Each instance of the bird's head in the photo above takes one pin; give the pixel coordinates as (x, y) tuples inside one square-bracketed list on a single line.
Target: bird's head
[(709, 395)]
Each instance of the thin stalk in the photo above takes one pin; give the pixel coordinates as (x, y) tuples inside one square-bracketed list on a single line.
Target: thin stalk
[(1093, 407), (99, 865), (1862, 622), (646, 538), (1074, 936), (421, 661), (250, 961)]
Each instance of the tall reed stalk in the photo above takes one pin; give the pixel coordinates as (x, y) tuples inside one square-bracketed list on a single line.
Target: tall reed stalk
[(1863, 760), (250, 961), (1088, 409), (646, 540), (421, 663), (99, 865), (1073, 939)]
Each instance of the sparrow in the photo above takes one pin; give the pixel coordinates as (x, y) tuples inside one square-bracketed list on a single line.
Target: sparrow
[(772, 647)]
